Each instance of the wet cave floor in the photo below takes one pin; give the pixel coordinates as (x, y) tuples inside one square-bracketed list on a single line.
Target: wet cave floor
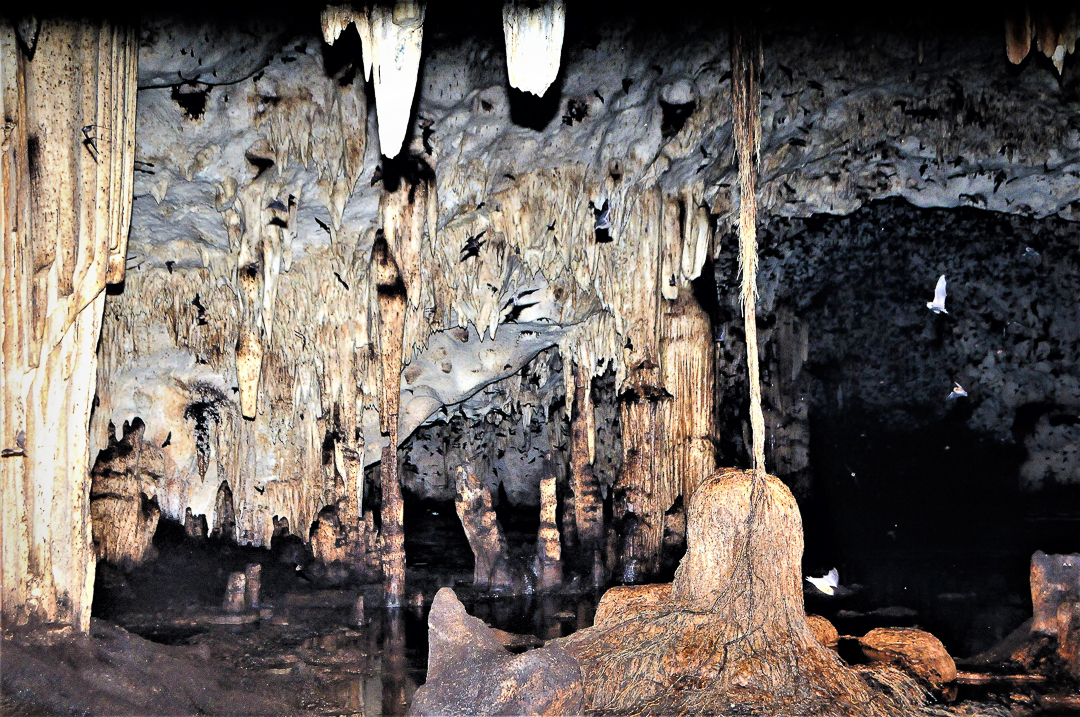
[(303, 654)]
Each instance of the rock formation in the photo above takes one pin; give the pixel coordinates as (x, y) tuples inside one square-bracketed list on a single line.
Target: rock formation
[(729, 634), (67, 92), (546, 277)]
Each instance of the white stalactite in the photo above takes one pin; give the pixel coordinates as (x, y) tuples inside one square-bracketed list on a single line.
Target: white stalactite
[(534, 38), (334, 20), (392, 41)]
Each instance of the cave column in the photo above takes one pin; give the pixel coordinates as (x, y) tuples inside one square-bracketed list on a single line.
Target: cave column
[(67, 94), (639, 498), (392, 303), (408, 213), (472, 500), (588, 502), (548, 564), (689, 375)]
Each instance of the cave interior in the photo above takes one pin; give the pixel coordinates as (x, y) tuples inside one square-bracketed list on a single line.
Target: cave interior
[(540, 357)]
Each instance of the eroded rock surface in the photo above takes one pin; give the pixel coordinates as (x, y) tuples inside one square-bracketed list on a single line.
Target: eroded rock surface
[(470, 672)]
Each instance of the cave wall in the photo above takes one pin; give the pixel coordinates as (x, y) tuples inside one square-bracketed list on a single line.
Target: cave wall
[(846, 331)]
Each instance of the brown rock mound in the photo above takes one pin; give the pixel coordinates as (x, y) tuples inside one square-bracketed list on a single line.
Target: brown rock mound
[(471, 673), (729, 636), (918, 653)]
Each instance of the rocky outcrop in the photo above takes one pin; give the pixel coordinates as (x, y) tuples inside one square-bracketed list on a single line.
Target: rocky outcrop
[(917, 652), (470, 672)]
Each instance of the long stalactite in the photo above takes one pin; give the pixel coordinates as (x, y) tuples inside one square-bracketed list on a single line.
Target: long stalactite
[(746, 96)]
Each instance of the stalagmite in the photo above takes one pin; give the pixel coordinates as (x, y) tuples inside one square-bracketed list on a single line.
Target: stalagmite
[(235, 593), (124, 518), (637, 499), (688, 370), (392, 301), (473, 503), (548, 564), (66, 164), (534, 36), (393, 43), (252, 585)]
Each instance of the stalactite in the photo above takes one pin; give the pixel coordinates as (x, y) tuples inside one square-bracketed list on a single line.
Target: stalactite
[(745, 61), (392, 40), (534, 36), (1053, 30), (1018, 34), (65, 199)]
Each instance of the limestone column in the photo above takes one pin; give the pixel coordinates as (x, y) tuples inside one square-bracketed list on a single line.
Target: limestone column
[(392, 302), (689, 376), (408, 213), (548, 562), (588, 502), (67, 94)]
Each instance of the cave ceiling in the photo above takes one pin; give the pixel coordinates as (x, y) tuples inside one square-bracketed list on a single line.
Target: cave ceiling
[(258, 154)]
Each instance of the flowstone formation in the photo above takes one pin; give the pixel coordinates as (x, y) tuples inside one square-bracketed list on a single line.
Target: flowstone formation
[(728, 636)]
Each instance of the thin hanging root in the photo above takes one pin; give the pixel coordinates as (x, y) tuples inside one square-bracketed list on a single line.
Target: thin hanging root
[(746, 95)]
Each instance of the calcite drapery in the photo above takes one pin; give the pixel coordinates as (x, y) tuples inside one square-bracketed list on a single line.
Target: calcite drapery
[(65, 202)]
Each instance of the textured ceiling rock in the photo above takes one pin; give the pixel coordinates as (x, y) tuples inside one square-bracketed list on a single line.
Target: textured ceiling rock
[(173, 52), (270, 178)]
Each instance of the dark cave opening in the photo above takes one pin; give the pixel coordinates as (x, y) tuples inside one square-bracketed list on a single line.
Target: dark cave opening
[(931, 504)]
